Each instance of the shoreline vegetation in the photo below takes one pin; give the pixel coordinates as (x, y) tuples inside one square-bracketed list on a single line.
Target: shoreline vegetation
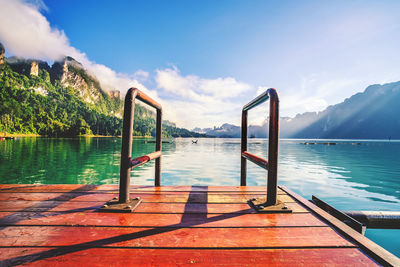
[(83, 135), (18, 135)]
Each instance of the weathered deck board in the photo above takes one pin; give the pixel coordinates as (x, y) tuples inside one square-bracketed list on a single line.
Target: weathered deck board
[(115, 188), (179, 237), (159, 220), (184, 257), (48, 225), (150, 207), (146, 197)]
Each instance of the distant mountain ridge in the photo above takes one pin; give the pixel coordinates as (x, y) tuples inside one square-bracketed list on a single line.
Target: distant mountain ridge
[(372, 114)]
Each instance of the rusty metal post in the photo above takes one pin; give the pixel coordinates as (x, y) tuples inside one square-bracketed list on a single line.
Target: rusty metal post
[(243, 161), (124, 203), (157, 180), (273, 140), (126, 149), (269, 203)]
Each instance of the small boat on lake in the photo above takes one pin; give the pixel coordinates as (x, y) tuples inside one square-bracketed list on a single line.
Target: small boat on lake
[(7, 138)]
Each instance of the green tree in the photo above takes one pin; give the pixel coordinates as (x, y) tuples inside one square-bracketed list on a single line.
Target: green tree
[(5, 120)]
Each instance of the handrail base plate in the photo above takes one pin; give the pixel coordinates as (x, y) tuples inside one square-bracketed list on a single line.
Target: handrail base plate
[(260, 206), (115, 206)]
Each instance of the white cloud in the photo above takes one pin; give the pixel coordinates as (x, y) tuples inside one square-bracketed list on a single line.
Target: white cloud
[(39, 4), (262, 89), (201, 102), (25, 32), (194, 87), (316, 91), (141, 75)]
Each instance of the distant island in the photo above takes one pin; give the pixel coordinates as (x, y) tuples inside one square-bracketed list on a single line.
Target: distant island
[(65, 100), (373, 114)]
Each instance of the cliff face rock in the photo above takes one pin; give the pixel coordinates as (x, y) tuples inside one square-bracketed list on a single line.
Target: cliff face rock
[(114, 93), (71, 73), (34, 68), (2, 51), (68, 72), (59, 68), (27, 66)]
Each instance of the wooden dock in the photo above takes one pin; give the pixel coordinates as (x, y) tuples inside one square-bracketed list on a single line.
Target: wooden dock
[(47, 225)]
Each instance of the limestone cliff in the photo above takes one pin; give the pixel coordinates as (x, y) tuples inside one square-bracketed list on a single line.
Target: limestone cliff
[(71, 73), (114, 93), (27, 66), (2, 51)]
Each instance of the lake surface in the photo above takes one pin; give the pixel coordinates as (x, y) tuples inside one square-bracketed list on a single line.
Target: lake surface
[(352, 175)]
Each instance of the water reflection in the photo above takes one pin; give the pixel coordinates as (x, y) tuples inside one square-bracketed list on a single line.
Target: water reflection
[(366, 174)]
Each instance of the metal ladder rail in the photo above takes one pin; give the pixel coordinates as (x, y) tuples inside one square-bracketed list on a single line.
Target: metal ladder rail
[(272, 204), (124, 203)]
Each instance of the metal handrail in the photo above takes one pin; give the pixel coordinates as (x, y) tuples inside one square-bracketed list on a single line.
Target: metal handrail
[(272, 164), (126, 151)]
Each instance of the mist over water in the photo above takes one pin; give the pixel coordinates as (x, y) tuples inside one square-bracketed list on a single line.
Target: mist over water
[(351, 175)]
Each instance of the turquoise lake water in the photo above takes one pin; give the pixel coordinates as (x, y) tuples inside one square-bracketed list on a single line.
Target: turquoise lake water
[(352, 175)]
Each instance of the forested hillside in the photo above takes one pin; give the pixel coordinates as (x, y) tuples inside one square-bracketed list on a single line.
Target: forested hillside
[(69, 103)]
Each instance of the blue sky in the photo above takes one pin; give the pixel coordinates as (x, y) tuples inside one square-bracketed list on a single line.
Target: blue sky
[(205, 59)]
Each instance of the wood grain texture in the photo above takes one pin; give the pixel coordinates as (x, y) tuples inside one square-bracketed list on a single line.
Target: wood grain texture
[(159, 220), (378, 253), (67, 206), (172, 237), (146, 197), (184, 257), (92, 188), (47, 225)]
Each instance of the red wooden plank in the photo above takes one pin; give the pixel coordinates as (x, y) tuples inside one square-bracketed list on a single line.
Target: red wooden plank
[(172, 237), (146, 207), (179, 198), (202, 208), (47, 187), (141, 192), (86, 188), (183, 257), (159, 220), (170, 229), (378, 253)]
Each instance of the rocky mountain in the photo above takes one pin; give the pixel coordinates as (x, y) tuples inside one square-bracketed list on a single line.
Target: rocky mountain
[(372, 114), (224, 131), (2, 52), (69, 73), (26, 66), (65, 100), (375, 113)]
